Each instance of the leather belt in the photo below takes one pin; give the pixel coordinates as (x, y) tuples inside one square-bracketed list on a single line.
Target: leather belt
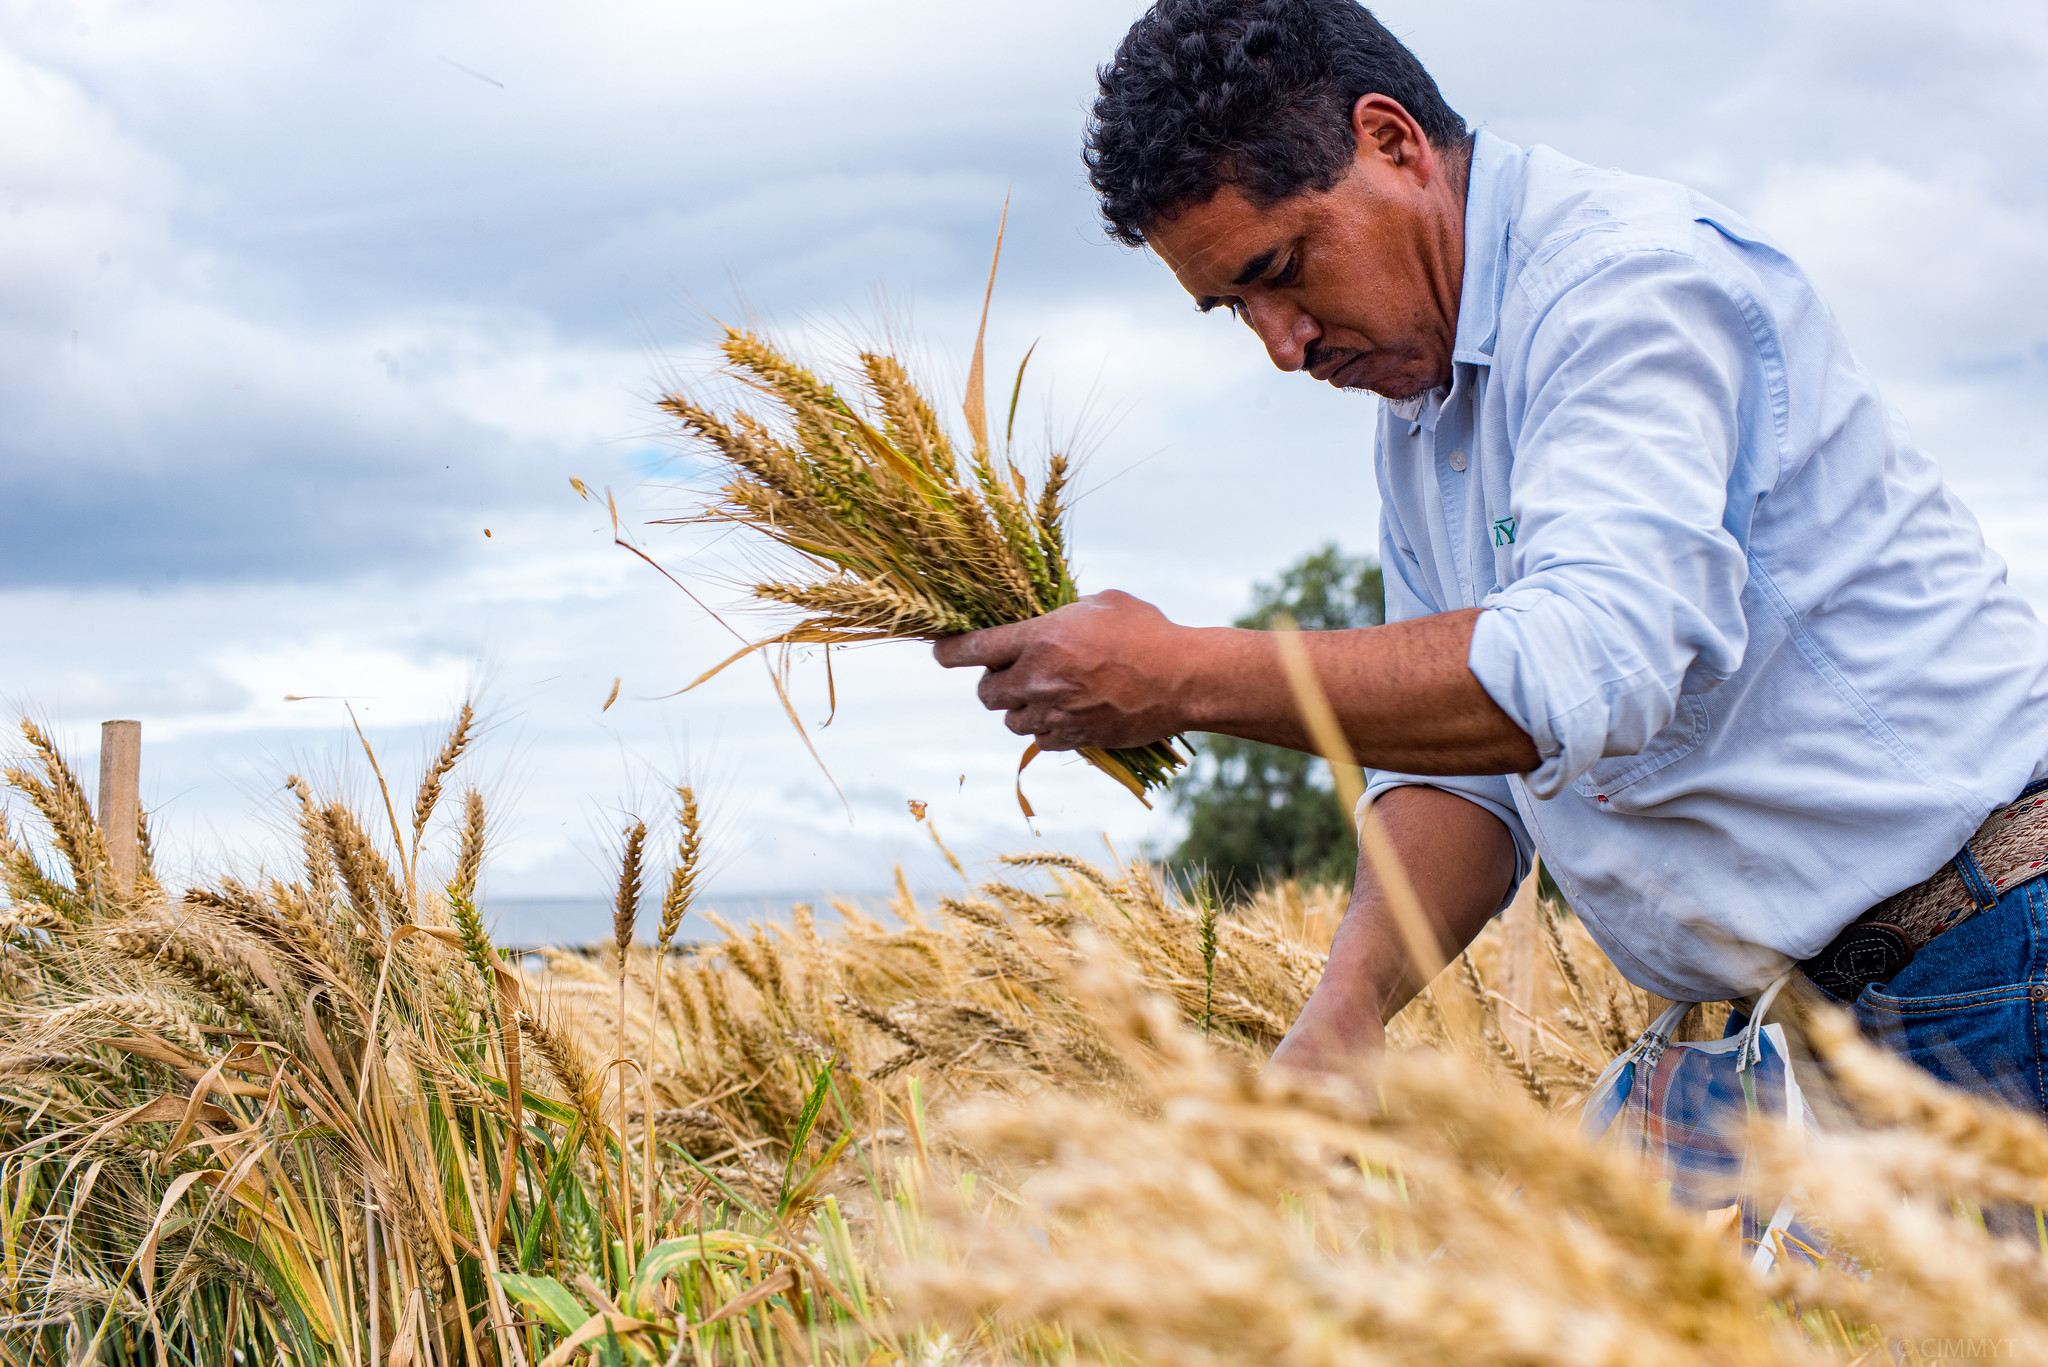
[(2010, 848)]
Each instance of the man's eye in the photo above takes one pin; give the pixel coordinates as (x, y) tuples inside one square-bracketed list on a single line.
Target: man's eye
[(1241, 313), (1288, 273)]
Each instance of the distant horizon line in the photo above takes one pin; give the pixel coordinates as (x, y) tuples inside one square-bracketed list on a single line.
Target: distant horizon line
[(801, 894)]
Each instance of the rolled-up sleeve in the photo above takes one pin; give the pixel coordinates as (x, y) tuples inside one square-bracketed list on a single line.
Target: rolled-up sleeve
[(1407, 598), (1627, 586)]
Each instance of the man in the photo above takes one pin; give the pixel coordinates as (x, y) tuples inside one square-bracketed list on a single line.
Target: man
[(1671, 596)]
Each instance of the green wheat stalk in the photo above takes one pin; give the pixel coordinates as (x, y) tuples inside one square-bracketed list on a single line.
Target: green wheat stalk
[(1205, 898)]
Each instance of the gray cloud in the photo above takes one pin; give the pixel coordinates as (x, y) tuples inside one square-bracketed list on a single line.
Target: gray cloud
[(306, 244)]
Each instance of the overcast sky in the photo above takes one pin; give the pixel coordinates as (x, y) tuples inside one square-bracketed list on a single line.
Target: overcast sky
[(296, 301)]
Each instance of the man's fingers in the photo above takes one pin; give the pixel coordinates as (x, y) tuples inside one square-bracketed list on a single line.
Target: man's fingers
[(992, 648), (1036, 720), (1048, 727), (1000, 690), (997, 691)]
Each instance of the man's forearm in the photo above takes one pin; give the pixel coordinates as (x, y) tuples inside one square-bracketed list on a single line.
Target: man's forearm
[(1461, 860), (1403, 693), (1110, 670)]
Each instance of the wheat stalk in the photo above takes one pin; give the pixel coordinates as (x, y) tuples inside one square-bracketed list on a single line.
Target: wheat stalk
[(443, 764), (675, 904), (625, 913)]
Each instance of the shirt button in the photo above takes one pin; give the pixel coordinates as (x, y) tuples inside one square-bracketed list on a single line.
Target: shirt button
[(1458, 461)]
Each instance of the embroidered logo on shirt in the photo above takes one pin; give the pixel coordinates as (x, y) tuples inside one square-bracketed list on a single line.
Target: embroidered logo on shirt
[(1504, 531)]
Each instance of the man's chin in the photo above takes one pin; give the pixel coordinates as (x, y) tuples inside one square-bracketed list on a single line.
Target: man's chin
[(1398, 388), (1403, 383)]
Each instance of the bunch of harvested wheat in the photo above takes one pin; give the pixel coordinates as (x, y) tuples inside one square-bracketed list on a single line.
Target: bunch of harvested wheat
[(889, 538)]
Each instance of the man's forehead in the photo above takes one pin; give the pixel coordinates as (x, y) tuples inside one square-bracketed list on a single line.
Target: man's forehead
[(1217, 245)]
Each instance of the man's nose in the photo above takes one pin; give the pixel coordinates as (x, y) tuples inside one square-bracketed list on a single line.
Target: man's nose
[(1286, 331)]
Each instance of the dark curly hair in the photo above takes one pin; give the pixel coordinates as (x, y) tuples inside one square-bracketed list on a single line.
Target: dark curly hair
[(1252, 93)]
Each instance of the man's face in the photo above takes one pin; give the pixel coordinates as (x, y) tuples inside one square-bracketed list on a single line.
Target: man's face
[(1357, 284)]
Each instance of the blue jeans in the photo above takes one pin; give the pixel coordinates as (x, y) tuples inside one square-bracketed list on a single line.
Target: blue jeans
[(1972, 1006)]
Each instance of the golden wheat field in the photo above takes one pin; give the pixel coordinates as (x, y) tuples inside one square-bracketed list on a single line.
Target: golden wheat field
[(315, 1116)]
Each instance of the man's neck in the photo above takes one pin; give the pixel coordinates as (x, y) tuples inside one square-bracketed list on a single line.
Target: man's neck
[(1458, 165), (1447, 274)]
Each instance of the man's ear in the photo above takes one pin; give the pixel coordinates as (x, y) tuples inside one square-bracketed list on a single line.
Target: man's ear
[(1388, 138)]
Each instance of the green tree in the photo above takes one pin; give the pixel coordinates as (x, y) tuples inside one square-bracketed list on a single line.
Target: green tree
[(1258, 812)]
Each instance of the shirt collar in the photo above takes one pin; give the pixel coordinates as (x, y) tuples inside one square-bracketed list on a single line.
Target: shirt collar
[(1419, 411), (1494, 182)]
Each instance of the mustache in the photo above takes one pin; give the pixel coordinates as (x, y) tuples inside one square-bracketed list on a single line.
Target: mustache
[(1314, 356)]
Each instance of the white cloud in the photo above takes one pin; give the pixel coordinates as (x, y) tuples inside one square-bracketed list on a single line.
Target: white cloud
[(1932, 275), (82, 206)]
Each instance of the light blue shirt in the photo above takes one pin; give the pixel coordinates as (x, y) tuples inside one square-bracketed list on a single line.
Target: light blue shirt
[(1772, 671)]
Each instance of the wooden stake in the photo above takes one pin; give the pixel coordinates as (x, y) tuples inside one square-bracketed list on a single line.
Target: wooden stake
[(121, 799)]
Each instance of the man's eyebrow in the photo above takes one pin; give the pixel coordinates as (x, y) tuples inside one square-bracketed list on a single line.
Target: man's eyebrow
[(1256, 267)]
